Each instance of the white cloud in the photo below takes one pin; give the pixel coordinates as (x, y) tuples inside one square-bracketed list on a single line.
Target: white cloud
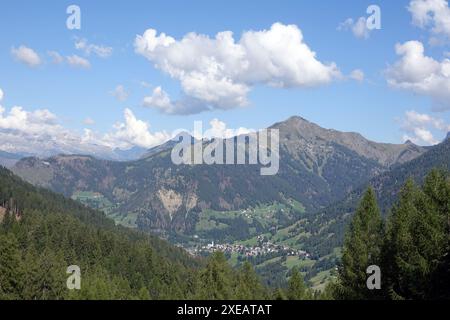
[(421, 74), (432, 14), (78, 61), (218, 73), (159, 99), (418, 127), (32, 122), (39, 132), (26, 55), (421, 137), (424, 119), (357, 75), (133, 132), (218, 129), (89, 48), (1, 95), (32, 131), (56, 57), (120, 93), (358, 27)]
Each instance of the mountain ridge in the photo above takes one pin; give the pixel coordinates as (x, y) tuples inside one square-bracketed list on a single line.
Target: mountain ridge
[(387, 186), (318, 167)]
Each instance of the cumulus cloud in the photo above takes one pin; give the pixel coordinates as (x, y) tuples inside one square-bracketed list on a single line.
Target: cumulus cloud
[(1, 94), (78, 61), (39, 132), (160, 100), (56, 57), (418, 127), (421, 74), (26, 55), (421, 136), (34, 132), (31, 122), (218, 73), (357, 75), (132, 132), (431, 14), (89, 48), (218, 129), (120, 93), (358, 27)]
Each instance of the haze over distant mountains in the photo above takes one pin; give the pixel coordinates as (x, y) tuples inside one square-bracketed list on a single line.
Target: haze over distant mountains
[(44, 150)]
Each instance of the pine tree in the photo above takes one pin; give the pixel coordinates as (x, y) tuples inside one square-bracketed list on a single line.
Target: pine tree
[(248, 286), (296, 286), (416, 240), (362, 248), (437, 188), (11, 275), (279, 294), (31, 288), (51, 276), (215, 281)]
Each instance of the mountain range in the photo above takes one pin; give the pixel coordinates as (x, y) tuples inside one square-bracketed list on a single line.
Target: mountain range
[(386, 185), (8, 159), (305, 208), (317, 168), (10, 150)]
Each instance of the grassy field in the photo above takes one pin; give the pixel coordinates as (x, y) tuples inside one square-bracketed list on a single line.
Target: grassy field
[(98, 201), (320, 280), (295, 261), (259, 219)]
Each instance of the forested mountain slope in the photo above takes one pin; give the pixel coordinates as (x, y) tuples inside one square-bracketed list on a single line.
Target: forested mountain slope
[(328, 225), (42, 233), (317, 168)]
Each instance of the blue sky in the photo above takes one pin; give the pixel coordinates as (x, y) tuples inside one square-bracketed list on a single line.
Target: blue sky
[(369, 106)]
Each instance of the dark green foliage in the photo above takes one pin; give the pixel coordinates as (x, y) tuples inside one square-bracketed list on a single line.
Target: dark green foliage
[(215, 279), (414, 256), (42, 233), (329, 225), (10, 268), (416, 238), (296, 286), (248, 286), (362, 248)]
